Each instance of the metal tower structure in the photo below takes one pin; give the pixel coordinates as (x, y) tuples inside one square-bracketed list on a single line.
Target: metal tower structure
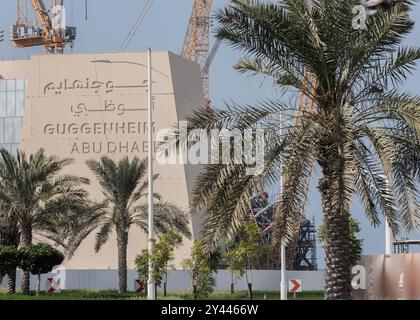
[(304, 258), (403, 246), (301, 253), (197, 40)]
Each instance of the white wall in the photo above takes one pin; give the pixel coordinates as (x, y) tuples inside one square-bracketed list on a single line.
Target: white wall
[(180, 280)]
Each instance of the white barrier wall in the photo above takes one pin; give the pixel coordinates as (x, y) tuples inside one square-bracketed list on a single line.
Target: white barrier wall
[(178, 280)]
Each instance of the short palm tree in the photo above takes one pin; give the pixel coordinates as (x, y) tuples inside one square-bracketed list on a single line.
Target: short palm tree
[(363, 135), (124, 187), (37, 198)]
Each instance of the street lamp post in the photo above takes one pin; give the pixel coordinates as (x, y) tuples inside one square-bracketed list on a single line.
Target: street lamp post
[(283, 287), (151, 289), (389, 239)]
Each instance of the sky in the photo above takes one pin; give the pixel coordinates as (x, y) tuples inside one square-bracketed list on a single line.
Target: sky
[(164, 28)]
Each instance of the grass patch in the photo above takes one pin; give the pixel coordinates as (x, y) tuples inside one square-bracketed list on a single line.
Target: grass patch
[(172, 295)]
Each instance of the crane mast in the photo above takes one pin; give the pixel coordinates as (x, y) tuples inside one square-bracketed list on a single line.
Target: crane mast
[(197, 40), (306, 104), (52, 34)]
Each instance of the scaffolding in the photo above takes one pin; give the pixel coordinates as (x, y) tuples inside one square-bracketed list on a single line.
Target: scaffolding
[(403, 246), (304, 258), (301, 255)]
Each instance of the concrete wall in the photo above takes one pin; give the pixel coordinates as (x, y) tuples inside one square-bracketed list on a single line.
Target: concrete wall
[(180, 280), (393, 276)]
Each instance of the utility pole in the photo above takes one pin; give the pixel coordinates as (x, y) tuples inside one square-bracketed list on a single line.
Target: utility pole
[(389, 238), (151, 289), (283, 286)]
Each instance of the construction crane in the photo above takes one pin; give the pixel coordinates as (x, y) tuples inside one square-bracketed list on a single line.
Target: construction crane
[(137, 24), (52, 34), (197, 41)]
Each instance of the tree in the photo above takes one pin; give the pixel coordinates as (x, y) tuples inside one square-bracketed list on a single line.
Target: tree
[(39, 259), (234, 265), (201, 268), (363, 133), (9, 236), (38, 198), (124, 189), (162, 256), (141, 264), (244, 253), (9, 260), (356, 244)]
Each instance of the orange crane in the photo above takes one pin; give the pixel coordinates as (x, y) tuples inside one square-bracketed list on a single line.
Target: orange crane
[(197, 41), (52, 34)]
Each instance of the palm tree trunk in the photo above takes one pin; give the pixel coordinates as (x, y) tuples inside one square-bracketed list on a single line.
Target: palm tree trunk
[(337, 246), (25, 240), (38, 287), (195, 292), (11, 281), (122, 240), (232, 283)]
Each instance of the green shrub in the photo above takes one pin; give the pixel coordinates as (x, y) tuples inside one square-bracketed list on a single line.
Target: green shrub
[(39, 259), (9, 259), (201, 268)]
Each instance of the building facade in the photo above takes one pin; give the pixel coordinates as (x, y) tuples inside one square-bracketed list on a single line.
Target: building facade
[(12, 106), (84, 106)]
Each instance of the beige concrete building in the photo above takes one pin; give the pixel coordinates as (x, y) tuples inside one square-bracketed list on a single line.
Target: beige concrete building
[(83, 106)]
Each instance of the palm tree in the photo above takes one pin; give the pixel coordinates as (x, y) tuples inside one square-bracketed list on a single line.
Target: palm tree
[(124, 188), (363, 135), (37, 198)]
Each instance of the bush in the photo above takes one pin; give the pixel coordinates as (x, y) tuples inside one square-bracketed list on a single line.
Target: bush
[(39, 259), (162, 256), (201, 268), (9, 260), (141, 263)]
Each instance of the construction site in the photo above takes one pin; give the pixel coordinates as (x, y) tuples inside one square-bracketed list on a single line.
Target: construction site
[(80, 89), (102, 79)]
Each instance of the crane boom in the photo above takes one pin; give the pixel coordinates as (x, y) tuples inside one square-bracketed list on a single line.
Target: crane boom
[(42, 15), (197, 40)]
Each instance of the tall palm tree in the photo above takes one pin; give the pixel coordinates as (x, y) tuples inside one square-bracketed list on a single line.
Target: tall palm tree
[(124, 187), (363, 135), (37, 197)]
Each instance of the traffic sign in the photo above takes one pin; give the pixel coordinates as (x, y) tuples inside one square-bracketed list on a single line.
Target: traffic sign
[(53, 285), (1, 36), (139, 286), (295, 285)]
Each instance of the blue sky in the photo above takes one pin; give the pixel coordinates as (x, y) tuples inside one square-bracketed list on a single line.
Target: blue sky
[(164, 28)]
